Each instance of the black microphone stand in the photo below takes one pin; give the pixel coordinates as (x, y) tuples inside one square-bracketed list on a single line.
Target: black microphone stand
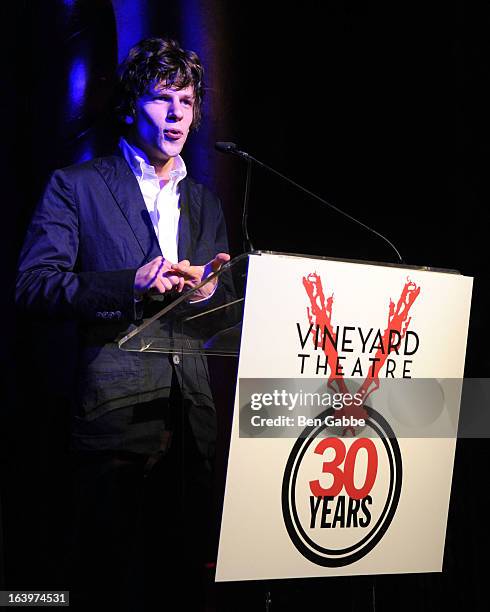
[(247, 243), (231, 147)]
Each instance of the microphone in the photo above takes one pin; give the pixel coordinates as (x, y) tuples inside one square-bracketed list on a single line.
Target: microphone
[(232, 148), (225, 147)]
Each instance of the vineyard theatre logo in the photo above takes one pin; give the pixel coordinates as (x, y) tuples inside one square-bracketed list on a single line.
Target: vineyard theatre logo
[(340, 494)]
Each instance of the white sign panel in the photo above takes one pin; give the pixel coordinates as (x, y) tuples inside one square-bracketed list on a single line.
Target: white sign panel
[(317, 489)]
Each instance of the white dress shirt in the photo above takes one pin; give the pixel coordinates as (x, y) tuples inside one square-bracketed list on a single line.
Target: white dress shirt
[(162, 200)]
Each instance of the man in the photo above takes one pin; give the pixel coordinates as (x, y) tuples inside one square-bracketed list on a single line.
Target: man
[(108, 236)]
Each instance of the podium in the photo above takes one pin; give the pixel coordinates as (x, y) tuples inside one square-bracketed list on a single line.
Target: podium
[(346, 410)]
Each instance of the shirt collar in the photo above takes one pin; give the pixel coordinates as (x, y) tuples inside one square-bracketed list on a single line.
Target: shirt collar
[(143, 170)]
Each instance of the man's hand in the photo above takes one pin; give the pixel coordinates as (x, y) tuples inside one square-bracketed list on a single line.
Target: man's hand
[(193, 275), (157, 277)]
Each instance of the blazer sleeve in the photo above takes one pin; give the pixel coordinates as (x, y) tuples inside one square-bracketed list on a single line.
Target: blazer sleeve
[(48, 281)]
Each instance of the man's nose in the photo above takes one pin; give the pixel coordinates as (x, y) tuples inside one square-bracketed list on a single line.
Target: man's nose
[(175, 111)]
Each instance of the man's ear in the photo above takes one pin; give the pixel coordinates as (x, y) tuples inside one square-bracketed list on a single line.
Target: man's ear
[(128, 120)]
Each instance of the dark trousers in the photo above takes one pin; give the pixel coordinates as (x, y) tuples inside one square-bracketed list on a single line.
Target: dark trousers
[(141, 528)]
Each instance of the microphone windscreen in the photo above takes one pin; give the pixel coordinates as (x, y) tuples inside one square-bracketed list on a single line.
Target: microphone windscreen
[(225, 147)]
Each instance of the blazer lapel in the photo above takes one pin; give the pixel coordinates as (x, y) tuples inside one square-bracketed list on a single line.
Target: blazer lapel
[(188, 222), (124, 187)]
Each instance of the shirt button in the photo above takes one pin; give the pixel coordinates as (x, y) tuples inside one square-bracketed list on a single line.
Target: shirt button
[(176, 359)]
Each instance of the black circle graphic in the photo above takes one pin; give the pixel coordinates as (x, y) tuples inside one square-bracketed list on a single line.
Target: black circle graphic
[(306, 546)]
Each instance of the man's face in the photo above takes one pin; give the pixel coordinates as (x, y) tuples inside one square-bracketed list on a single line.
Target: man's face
[(162, 121)]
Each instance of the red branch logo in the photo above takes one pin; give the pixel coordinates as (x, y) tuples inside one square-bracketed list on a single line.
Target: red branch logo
[(320, 315)]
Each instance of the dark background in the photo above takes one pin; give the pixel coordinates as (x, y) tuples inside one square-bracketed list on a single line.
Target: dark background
[(381, 110)]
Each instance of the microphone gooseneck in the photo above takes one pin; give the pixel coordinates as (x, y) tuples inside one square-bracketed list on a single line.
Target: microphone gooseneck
[(231, 148)]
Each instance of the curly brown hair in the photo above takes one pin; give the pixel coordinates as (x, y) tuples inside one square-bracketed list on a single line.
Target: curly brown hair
[(153, 61)]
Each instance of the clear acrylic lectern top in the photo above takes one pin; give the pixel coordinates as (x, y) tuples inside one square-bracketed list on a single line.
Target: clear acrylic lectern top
[(184, 325)]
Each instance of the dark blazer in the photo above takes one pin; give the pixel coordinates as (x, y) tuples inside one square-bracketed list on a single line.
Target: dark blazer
[(89, 234)]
